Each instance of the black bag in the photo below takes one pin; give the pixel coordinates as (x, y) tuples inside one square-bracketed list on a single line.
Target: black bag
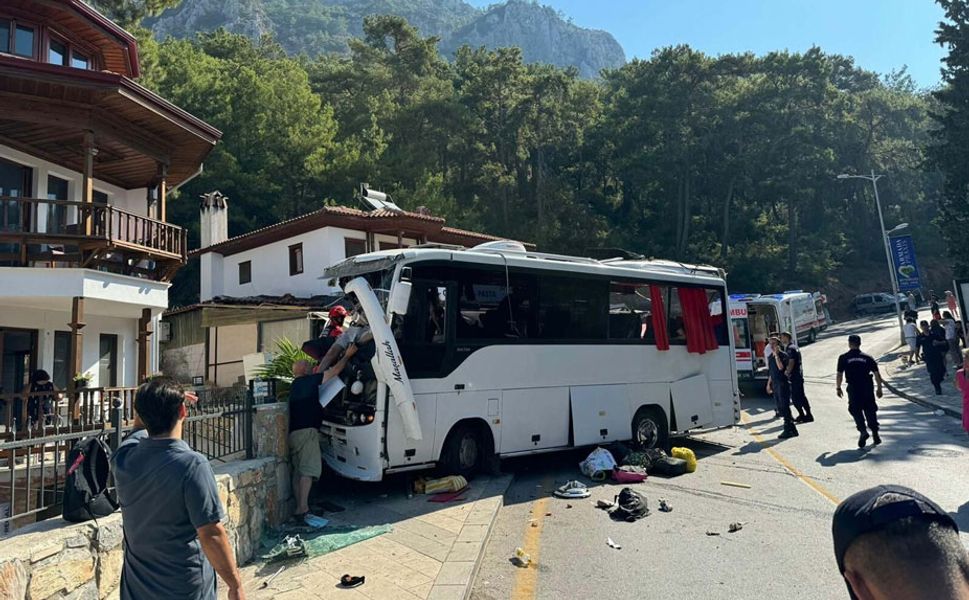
[(86, 492), (630, 506), (669, 466)]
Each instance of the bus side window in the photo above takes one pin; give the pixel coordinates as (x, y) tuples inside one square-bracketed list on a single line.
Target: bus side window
[(493, 307), (674, 316), (718, 316), (630, 312), (426, 318)]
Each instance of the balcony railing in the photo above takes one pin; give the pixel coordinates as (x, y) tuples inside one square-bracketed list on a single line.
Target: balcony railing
[(36, 232)]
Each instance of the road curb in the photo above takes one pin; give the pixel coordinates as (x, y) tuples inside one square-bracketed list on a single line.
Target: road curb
[(915, 399), (442, 590)]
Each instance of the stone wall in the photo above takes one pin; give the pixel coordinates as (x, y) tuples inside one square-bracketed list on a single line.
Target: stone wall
[(56, 559)]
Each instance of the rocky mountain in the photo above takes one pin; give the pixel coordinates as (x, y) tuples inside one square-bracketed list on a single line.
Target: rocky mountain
[(316, 26)]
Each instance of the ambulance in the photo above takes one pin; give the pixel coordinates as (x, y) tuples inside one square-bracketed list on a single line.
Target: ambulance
[(754, 316)]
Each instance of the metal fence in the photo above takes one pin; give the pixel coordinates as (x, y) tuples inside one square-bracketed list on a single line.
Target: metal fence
[(38, 431)]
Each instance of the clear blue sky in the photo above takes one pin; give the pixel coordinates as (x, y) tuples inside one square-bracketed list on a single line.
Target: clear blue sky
[(881, 35)]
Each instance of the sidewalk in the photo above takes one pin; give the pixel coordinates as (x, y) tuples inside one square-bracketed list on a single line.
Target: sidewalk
[(432, 553), (912, 383)]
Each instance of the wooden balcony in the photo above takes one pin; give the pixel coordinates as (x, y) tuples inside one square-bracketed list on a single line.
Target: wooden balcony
[(65, 233)]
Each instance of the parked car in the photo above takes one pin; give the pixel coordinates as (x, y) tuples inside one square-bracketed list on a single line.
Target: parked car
[(874, 304)]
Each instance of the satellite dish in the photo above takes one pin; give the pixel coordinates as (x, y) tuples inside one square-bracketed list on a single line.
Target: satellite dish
[(377, 200)]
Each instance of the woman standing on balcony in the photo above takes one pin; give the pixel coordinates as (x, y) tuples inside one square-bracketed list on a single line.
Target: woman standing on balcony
[(40, 398)]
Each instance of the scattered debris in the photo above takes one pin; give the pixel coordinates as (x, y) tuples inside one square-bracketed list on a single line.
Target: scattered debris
[(548, 514), (712, 533), (521, 558), (598, 464), (351, 581), (686, 454), (451, 483), (940, 413), (735, 527), (605, 504), (613, 544), (735, 484), (266, 583), (534, 524), (568, 506), (665, 506), (291, 547), (631, 506), (573, 489)]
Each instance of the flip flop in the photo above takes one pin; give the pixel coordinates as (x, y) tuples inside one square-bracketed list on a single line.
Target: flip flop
[(349, 581), (573, 489)]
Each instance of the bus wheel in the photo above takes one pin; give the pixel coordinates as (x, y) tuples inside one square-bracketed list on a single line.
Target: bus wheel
[(650, 428), (813, 336), (463, 451)]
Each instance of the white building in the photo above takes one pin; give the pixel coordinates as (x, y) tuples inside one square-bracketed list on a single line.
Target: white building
[(87, 161), (266, 284)]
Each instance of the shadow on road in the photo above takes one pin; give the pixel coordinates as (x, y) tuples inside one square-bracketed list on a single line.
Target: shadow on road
[(827, 459)]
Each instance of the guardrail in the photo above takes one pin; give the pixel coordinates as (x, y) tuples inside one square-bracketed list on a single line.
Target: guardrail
[(39, 429)]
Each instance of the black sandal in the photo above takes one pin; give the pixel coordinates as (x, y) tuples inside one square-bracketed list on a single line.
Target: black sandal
[(348, 581)]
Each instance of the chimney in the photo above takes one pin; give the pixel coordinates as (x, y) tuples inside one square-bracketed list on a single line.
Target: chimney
[(214, 213)]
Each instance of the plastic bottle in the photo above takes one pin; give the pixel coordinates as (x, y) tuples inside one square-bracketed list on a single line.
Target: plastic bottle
[(523, 559)]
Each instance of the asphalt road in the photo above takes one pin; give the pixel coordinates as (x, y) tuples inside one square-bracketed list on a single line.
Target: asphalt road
[(784, 549)]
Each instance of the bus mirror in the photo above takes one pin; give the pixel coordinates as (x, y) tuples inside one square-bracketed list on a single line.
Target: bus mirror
[(399, 298)]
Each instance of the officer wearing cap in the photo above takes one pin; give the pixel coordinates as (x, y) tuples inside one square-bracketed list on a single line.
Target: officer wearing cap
[(892, 542), (858, 367)]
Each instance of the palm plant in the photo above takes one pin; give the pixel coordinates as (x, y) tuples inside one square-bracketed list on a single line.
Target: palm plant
[(280, 366)]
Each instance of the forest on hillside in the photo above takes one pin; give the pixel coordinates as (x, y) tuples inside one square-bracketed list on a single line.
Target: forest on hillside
[(728, 160)]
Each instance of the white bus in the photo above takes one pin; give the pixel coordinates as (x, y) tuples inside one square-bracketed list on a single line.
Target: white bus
[(494, 352)]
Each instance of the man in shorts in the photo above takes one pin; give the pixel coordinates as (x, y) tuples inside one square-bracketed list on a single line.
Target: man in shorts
[(305, 418)]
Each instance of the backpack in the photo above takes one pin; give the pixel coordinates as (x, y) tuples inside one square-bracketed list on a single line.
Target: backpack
[(86, 492), (631, 506)]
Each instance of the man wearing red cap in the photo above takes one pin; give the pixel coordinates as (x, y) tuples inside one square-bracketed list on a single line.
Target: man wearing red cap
[(334, 328)]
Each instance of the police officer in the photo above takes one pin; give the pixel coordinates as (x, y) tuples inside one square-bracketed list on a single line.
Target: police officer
[(782, 387), (858, 367), (772, 376), (795, 375)]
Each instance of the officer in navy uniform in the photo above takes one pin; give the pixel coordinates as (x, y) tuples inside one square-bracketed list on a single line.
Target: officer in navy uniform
[(795, 375), (858, 367), (782, 387)]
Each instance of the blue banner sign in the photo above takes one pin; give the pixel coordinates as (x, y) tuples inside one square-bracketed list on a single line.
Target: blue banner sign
[(903, 259)]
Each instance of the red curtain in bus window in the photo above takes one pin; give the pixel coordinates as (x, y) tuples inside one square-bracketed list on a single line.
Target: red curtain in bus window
[(659, 317), (700, 335)]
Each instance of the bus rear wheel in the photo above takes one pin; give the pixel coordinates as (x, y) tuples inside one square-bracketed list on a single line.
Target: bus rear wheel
[(650, 428), (463, 451)]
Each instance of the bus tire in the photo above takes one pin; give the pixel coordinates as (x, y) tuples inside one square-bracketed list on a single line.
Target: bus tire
[(651, 428), (464, 450), (813, 336)]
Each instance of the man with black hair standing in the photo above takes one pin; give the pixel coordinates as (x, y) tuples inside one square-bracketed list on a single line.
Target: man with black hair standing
[(858, 367), (795, 375), (782, 387), (170, 507), (892, 542)]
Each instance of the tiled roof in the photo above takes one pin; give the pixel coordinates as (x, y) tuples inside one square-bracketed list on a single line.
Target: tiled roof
[(412, 224)]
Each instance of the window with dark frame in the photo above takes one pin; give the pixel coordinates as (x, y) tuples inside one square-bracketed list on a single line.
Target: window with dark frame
[(23, 43), (57, 53), (108, 360), (245, 272), (295, 259), (354, 246), (62, 359)]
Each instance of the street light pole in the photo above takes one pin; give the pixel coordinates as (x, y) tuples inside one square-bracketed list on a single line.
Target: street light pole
[(888, 253)]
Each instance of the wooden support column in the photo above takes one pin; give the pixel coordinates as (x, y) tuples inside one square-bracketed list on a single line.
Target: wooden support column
[(87, 184), (144, 353), (400, 239), (77, 342), (163, 191)]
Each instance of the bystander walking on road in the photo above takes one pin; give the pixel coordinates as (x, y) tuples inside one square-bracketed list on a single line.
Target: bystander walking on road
[(911, 338), (858, 368), (892, 542), (934, 346), (170, 507), (913, 304), (934, 306), (962, 384), (951, 339), (950, 302)]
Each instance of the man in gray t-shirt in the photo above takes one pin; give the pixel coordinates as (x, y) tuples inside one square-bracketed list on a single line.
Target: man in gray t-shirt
[(170, 507)]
